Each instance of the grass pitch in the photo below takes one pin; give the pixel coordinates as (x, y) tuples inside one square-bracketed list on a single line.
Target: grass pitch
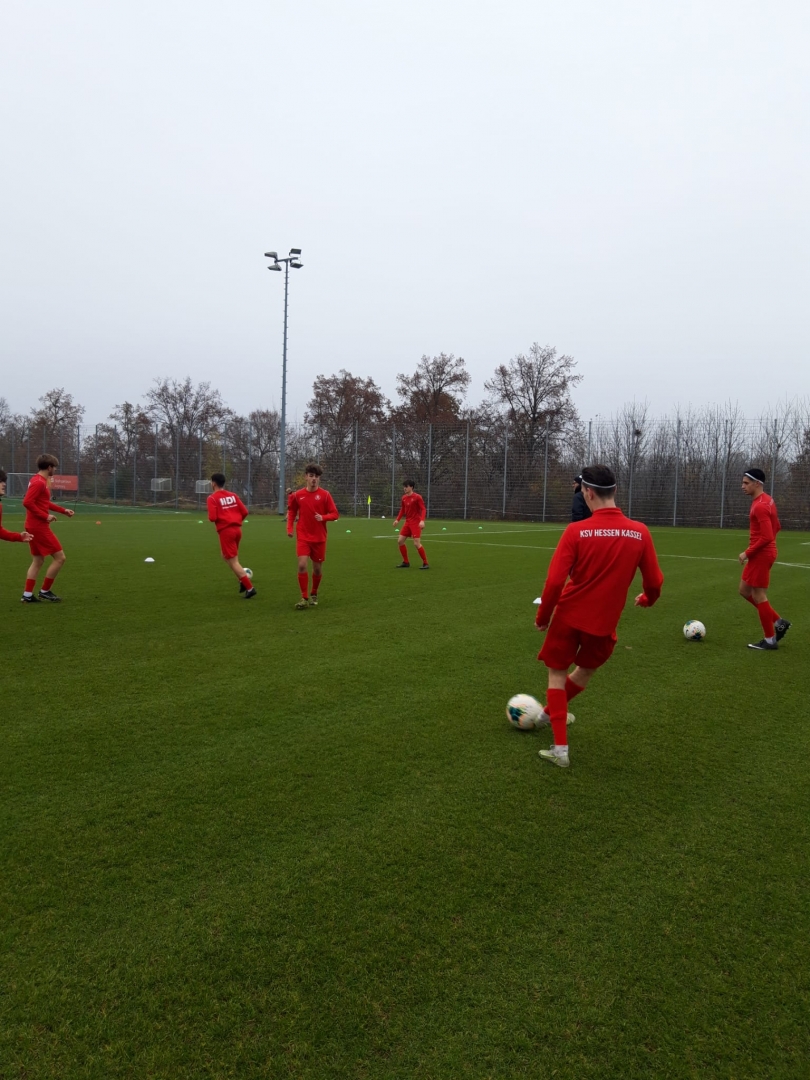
[(240, 840)]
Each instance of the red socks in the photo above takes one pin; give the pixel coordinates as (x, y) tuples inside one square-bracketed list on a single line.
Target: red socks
[(766, 614), (46, 584), (303, 584), (246, 582), (30, 583), (316, 581), (403, 552), (558, 712), (572, 689), (422, 555)]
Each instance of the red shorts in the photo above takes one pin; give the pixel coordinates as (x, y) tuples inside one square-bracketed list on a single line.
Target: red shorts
[(312, 549), (229, 538), (44, 542), (565, 645), (410, 530), (757, 571)]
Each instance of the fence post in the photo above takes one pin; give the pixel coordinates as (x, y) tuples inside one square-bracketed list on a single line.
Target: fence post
[(199, 465), (61, 460), (725, 467), (78, 460), (774, 459), (356, 451), (177, 475), (466, 468), (393, 465), (95, 467), (28, 460), (430, 464), (115, 464), (590, 429), (545, 473), (249, 457), (154, 493), (135, 465), (505, 451), (677, 470)]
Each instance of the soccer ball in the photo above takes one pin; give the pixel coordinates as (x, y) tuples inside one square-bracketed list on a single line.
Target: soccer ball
[(694, 630), (523, 711), (248, 571)]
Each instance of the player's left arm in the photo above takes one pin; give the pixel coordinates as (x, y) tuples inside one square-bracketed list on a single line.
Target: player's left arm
[(331, 511), (422, 513), (651, 577), (243, 510), (766, 533), (52, 506)]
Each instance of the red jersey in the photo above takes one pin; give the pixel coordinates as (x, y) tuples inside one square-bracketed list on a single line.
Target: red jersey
[(5, 534), (764, 525), (307, 504), (226, 509), (37, 502), (594, 566), (412, 509)]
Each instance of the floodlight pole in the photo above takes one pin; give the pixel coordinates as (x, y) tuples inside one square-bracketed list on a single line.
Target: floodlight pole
[(291, 260)]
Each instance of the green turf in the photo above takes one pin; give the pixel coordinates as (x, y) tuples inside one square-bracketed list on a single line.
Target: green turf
[(240, 840)]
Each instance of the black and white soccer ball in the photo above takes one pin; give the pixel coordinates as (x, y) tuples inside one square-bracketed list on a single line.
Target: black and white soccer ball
[(694, 630), (523, 712)]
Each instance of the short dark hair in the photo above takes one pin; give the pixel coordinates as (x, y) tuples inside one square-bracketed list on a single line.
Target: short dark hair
[(600, 478), (44, 460), (755, 474), (408, 483), (3, 476), (314, 469), (218, 478)]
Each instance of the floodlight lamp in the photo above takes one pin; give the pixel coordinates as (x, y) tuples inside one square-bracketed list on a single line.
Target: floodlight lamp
[(296, 265), (275, 266), (271, 254), (295, 251)]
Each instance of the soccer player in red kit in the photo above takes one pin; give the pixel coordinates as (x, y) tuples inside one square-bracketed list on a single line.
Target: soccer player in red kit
[(585, 592), (414, 512), (314, 506), (11, 537), (758, 558), (38, 518), (228, 512)]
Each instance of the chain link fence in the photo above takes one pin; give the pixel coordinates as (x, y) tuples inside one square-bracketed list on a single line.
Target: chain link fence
[(670, 472)]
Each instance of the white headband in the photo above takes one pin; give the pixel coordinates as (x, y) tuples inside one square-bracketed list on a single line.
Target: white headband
[(756, 479)]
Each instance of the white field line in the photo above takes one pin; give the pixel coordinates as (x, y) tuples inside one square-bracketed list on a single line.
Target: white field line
[(488, 532), (661, 554)]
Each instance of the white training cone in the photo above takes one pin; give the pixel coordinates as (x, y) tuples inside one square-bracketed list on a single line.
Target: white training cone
[(150, 559)]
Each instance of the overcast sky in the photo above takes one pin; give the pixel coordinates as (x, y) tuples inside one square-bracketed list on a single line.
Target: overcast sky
[(627, 181)]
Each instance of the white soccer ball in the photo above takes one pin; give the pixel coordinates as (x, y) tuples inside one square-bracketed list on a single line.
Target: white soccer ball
[(248, 571), (523, 711), (694, 630)]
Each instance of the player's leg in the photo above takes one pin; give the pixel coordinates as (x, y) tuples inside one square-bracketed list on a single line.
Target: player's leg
[(31, 578), (756, 577), (405, 532), (303, 579), (417, 541), (317, 574), (245, 584), (557, 708), (57, 562)]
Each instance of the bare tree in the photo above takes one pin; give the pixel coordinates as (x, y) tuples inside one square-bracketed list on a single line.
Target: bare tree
[(133, 426), (57, 412), (338, 402), (186, 410), (435, 391)]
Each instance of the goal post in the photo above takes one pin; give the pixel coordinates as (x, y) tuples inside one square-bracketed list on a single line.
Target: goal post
[(203, 487), (161, 483), (17, 484)]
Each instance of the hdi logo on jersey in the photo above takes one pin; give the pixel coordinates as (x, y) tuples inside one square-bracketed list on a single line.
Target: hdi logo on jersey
[(229, 500)]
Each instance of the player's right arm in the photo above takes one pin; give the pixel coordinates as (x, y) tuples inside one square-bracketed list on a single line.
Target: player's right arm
[(401, 513), (651, 577), (292, 507), (562, 563), (213, 507)]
